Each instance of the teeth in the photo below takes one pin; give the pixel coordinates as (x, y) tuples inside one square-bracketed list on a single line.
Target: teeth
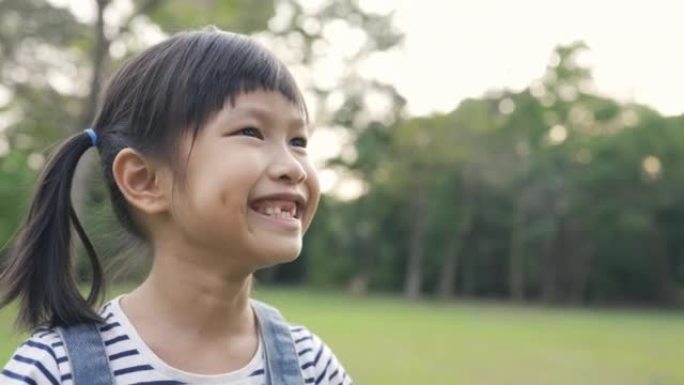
[(283, 214), (277, 212)]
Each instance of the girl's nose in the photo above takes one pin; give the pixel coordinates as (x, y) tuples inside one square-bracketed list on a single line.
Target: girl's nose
[(285, 167)]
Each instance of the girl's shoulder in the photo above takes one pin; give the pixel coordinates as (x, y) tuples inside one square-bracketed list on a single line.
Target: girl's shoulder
[(318, 362), (41, 358), (37, 360)]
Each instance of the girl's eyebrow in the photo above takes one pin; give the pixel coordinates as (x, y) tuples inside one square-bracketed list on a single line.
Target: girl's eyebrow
[(265, 115)]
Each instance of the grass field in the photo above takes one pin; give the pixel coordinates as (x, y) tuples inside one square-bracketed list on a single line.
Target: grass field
[(385, 340)]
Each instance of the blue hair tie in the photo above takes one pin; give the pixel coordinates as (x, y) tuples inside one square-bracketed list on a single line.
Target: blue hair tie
[(93, 136)]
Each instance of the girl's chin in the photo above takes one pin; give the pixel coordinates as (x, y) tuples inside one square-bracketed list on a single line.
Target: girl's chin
[(273, 252)]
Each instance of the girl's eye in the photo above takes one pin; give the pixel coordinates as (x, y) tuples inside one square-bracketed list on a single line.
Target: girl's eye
[(299, 142), (250, 131)]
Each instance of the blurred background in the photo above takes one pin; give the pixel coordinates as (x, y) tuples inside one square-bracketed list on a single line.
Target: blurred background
[(504, 181)]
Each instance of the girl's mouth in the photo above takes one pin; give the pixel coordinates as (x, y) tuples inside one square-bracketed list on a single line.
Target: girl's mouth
[(283, 213), (277, 208)]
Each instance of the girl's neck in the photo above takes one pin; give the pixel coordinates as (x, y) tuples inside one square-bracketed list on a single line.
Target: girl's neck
[(194, 318), (189, 297)]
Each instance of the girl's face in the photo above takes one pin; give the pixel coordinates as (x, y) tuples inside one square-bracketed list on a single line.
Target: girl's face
[(251, 191)]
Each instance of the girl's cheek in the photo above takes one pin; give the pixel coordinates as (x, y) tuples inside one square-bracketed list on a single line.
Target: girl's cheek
[(312, 177), (314, 188)]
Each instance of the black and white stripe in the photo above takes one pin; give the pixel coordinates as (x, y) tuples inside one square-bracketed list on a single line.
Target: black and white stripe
[(42, 359)]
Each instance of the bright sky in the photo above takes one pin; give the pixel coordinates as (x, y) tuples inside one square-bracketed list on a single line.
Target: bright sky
[(457, 48), (461, 48)]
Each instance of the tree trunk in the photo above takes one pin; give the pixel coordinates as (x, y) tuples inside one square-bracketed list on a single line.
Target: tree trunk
[(414, 268), (516, 260), (663, 267), (447, 279), (549, 268), (358, 284), (582, 249), (99, 58), (365, 251)]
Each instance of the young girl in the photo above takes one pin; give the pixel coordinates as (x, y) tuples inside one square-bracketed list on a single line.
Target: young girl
[(202, 140)]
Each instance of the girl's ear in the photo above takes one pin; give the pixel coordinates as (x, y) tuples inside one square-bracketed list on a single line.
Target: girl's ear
[(143, 183)]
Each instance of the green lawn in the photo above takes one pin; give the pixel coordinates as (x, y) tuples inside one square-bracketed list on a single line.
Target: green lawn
[(384, 340)]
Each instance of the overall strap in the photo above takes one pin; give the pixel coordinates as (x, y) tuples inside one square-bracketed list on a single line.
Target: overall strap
[(86, 352), (281, 362)]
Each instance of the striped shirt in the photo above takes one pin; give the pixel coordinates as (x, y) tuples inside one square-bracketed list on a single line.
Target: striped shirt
[(42, 359)]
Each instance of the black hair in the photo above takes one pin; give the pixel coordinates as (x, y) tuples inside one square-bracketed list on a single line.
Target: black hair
[(155, 98)]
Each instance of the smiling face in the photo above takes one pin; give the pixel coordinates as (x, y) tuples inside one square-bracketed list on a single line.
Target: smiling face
[(250, 190)]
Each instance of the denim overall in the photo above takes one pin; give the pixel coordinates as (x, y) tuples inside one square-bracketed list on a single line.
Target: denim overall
[(89, 364)]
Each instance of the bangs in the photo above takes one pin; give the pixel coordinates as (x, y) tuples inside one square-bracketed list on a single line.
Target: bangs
[(215, 67)]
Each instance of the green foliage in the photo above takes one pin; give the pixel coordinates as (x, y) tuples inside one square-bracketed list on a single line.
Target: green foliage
[(17, 179), (243, 16), (564, 196)]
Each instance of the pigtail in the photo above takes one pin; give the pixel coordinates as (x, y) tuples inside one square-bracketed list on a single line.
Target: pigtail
[(39, 270)]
